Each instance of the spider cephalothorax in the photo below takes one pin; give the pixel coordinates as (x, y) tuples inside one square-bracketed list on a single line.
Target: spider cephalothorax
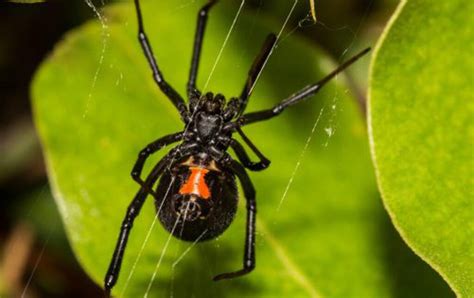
[(207, 119), (196, 197)]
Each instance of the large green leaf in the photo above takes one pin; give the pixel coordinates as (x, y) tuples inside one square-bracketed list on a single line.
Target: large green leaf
[(331, 236), (422, 131)]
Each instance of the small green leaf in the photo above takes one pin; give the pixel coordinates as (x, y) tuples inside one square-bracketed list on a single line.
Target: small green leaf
[(329, 237), (422, 131)]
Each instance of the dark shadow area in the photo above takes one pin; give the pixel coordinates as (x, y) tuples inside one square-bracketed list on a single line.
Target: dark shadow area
[(28, 32), (35, 241)]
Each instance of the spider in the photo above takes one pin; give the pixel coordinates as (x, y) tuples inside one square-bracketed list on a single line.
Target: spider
[(196, 197)]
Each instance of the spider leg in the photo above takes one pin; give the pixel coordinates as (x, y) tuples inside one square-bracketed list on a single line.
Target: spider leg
[(132, 212), (255, 70), (249, 250), (298, 96), (198, 39), (175, 98), (243, 156), (150, 149), (245, 160)]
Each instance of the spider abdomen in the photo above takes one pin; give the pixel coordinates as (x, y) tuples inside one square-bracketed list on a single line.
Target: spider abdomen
[(196, 200)]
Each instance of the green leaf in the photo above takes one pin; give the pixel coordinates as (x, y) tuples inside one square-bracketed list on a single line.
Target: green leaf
[(96, 109), (422, 132)]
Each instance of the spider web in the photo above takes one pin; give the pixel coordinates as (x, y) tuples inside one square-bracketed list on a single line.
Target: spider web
[(105, 37), (290, 180), (330, 125), (330, 129)]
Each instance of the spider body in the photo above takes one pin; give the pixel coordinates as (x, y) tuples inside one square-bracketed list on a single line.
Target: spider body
[(196, 197), (208, 115)]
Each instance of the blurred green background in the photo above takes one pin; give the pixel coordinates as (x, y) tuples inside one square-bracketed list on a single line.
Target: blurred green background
[(35, 257)]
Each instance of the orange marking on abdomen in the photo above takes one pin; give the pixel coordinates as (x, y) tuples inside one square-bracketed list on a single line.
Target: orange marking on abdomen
[(196, 184)]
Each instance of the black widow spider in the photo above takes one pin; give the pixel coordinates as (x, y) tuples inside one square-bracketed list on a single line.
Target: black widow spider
[(197, 192)]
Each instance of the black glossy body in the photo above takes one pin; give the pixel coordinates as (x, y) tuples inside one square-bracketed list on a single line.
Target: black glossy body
[(213, 215), (209, 124)]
